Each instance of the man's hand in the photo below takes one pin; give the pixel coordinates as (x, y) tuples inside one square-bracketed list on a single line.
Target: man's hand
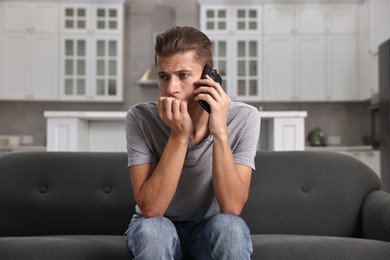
[(213, 93), (174, 113)]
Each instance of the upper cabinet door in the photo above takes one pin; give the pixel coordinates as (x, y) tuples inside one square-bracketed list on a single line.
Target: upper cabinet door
[(75, 18), (342, 67), (107, 19), (342, 19), (34, 17), (279, 19), (15, 17), (44, 17), (310, 68), (310, 19), (15, 63), (214, 19), (279, 75), (247, 19)]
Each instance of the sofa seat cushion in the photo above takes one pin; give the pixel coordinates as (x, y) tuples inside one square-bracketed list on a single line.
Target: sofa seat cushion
[(64, 248), (318, 247)]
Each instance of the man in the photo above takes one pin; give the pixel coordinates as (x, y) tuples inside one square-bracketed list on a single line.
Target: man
[(190, 170)]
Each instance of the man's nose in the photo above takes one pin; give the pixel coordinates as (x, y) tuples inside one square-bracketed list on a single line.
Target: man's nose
[(173, 85)]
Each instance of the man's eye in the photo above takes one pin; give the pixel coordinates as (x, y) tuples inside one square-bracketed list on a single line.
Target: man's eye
[(163, 77), (183, 75)]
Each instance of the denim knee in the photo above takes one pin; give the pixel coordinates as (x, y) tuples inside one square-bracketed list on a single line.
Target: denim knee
[(153, 237), (230, 224), (230, 237)]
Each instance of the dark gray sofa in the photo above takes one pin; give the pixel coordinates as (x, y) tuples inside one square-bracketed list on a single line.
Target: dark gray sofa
[(302, 205)]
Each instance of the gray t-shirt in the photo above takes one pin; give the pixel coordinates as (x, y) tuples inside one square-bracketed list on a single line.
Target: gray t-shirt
[(194, 198)]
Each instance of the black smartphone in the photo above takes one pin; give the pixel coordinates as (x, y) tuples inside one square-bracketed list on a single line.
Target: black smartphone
[(208, 70)]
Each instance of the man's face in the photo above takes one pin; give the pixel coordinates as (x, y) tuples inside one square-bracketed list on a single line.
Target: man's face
[(177, 75)]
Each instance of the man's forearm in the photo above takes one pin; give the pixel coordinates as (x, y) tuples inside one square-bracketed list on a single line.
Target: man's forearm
[(158, 191), (230, 189)]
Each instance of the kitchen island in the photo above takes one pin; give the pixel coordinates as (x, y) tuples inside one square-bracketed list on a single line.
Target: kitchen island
[(105, 131)]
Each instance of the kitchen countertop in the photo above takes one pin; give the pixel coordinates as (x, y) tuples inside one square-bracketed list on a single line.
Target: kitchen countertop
[(90, 115), (284, 114), (357, 148)]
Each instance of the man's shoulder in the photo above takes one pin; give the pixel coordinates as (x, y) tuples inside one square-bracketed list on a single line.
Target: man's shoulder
[(142, 109), (240, 108)]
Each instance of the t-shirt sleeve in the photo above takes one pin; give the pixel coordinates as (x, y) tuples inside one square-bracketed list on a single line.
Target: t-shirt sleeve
[(245, 151), (137, 147)]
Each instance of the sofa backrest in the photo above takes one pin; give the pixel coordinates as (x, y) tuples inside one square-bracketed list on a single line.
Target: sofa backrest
[(53, 193), (308, 193)]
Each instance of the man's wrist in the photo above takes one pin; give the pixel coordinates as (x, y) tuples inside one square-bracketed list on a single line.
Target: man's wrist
[(180, 139), (223, 137)]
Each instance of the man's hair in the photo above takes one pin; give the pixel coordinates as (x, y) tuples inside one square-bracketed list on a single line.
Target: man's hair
[(182, 39)]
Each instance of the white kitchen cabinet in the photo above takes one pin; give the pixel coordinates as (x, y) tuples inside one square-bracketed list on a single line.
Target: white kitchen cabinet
[(221, 53), (279, 19), (247, 19), (91, 62), (30, 67), (292, 19), (215, 19), (235, 31), (342, 19), (29, 51), (310, 19), (282, 131), (342, 52), (307, 57), (342, 68), (247, 69), (91, 18), (279, 65), (232, 19), (310, 68), (295, 68), (30, 17), (91, 68)]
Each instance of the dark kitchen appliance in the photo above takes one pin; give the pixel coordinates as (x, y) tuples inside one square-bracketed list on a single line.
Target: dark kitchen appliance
[(384, 114), (374, 116)]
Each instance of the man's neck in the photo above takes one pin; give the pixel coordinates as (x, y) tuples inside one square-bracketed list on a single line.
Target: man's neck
[(200, 121)]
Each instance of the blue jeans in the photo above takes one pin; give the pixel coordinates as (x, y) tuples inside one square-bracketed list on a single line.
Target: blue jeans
[(221, 236)]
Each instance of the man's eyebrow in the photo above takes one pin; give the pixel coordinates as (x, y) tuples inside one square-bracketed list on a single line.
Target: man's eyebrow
[(185, 71), (177, 71)]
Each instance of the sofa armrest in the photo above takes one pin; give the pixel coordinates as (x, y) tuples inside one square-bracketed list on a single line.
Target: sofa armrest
[(376, 216)]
